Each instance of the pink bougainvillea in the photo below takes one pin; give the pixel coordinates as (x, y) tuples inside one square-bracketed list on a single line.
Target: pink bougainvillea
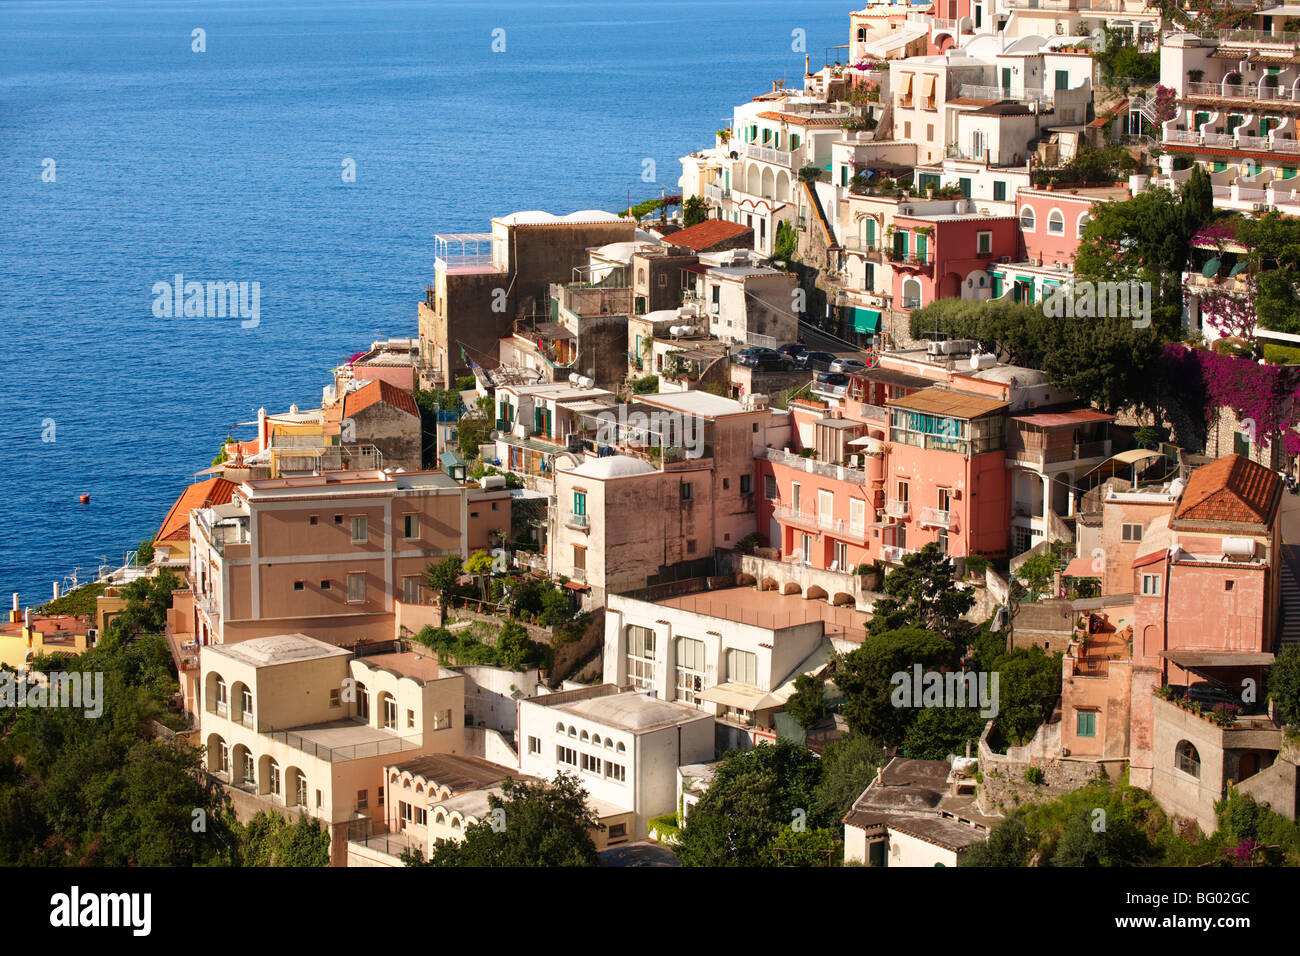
[(1264, 394), (1231, 312)]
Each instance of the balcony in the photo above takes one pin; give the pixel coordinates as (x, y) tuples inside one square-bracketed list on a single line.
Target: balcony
[(1237, 140), (895, 555), (578, 523), (976, 91), (820, 523), (815, 467), (763, 154), (910, 261), (715, 193), (897, 509), (938, 518), (465, 252), (868, 250), (1239, 91)]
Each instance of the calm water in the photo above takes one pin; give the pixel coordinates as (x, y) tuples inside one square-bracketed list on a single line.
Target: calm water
[(226, 165)]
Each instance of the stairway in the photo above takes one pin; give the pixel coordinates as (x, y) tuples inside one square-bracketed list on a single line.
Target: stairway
[(1290, 607)]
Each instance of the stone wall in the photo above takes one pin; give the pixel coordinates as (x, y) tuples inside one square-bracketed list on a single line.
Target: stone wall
[(1003, 786)]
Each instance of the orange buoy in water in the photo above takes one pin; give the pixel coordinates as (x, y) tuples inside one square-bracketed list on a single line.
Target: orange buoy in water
[(85, 499)]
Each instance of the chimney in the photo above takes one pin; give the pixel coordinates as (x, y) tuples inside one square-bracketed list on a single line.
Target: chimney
[(13, 614)]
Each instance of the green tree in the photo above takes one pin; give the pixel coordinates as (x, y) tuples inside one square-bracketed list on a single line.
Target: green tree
[(754, 794), (807, 848), (441, 576), (1007, 845), (694, 211), (922, 593), (1038, 572), (786, 242), (1283, 685), (866, 677), (808, 703), (940, 731), (538, 824), (848, 766), (1274, 243), (147, 603), (271, 840)]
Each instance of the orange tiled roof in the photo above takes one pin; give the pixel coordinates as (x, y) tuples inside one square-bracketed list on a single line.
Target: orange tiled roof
[(704, 235), (201, 494), (1230, 489), (379, 391)]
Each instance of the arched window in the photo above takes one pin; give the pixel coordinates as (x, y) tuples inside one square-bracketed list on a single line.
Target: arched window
[(595, 740), (1056, 223), (573, 732), (1187, 759), (559, 728), (1027, 219), (621, 749), (440, 817), (1083, 223), (584, 737)]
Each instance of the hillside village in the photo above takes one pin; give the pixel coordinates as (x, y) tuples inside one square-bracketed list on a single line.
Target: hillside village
[(933, 448)]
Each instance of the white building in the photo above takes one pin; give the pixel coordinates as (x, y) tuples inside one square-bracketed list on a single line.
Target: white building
[(623, 746)]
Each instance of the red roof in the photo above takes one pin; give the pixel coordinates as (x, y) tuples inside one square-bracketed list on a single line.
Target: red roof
[(379, 391), (201, 494), (1230, 489), (707, 234)]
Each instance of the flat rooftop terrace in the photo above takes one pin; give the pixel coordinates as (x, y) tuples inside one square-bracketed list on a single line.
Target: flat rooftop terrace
[(772, 610)]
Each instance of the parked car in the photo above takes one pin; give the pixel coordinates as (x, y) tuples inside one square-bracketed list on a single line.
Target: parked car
[(832, 379), (772, 363), (815, 361), (750, 355), (792, 350), (1209, 694), (847, 365)]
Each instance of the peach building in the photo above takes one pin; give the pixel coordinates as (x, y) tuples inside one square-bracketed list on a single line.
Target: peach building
[(678, 484), (299, 726), (338, 556), (1201, 559)]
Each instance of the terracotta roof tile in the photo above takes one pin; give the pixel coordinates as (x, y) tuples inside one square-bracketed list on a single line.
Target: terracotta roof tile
[(1230, 489), (201, 494), (705, 235), (379, 391)]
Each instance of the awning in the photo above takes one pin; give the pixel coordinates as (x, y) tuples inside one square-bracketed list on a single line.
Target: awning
[(1210, 268), (927, 85), (866, 321), (214, 470), (1134, 455), (1191, 660), (813, 665), (740, 696), (1080, 568), (906, 84)]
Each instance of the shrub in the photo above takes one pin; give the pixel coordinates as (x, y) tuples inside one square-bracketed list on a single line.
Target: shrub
[(1034, 775)]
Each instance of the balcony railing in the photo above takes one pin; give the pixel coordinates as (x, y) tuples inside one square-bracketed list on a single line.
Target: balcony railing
[(938, 518), (778, 157), (815, 467), (894, 554), (977, 91), (897, 509), (1240, 91), (715, 193), (578, 522), (838, 528), (1280, 37)]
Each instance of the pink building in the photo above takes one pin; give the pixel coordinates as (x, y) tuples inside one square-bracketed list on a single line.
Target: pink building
[(927, 466), (1052, 223), (948, 256)]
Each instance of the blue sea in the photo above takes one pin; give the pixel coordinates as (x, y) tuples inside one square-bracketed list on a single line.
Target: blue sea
[(227, 164)]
